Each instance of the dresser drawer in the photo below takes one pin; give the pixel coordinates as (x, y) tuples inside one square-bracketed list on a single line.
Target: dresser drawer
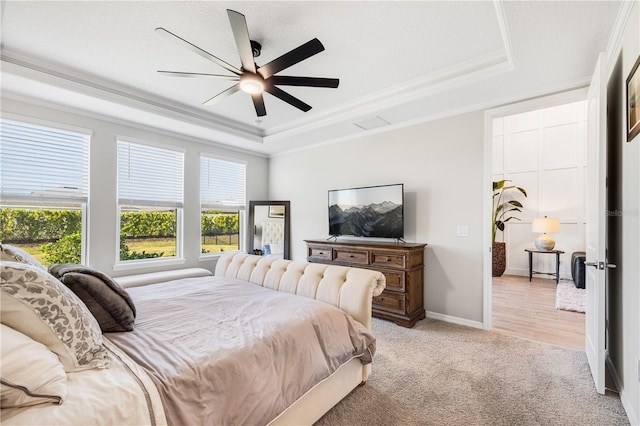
[(395, 280), (388, 301), (402, 265), (388, 260), (352, 256), (320, 253)]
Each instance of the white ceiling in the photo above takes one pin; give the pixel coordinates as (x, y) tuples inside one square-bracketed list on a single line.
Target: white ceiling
[(403, 62)]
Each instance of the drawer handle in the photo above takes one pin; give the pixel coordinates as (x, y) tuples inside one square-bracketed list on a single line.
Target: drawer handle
[(388, 260), (351, 255), (321, 253)]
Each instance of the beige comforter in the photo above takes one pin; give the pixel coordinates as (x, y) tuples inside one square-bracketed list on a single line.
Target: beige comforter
[(224, 351)]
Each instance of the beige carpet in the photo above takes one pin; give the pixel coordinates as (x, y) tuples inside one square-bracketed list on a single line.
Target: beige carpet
[(443, 374), (570, 298)]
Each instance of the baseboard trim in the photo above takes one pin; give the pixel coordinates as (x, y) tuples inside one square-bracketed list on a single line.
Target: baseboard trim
[(634, 418), (455, 320)]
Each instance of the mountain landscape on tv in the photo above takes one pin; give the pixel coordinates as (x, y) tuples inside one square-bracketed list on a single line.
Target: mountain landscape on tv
[(383, 220)]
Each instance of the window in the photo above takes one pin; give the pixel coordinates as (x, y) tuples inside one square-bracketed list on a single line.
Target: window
[(44, 187), (222, 203), (150, 198)]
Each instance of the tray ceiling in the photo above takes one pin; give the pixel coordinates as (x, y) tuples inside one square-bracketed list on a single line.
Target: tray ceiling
[(396, 61)]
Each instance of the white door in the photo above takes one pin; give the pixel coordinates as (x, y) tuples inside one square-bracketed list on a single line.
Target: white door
[(596, 223)]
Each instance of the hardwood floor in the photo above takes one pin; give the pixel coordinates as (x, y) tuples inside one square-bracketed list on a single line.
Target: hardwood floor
[(527, 310)]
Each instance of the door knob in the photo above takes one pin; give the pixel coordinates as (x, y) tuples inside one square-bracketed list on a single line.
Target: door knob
[(601, 265)]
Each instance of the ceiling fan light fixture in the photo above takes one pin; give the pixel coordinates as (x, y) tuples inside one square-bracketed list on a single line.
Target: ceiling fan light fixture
[(251, 78), (251, 84)]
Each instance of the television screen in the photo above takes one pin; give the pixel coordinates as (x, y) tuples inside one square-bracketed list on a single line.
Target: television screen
[(374, 211)]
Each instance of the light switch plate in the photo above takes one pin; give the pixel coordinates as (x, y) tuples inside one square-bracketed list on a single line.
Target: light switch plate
[(462, 231)]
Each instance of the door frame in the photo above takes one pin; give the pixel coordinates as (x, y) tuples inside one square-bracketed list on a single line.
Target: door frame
[(567, 97)]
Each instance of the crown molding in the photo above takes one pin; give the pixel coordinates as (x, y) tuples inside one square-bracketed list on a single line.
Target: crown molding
[(504, 32), (443, 79), (466, 72), (122, 122), (447, 78), (615, 38), (13, 63), (571, 91)]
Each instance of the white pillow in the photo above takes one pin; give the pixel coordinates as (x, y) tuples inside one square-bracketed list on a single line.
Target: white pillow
[(34, 303), (277, 248), (31, 373)]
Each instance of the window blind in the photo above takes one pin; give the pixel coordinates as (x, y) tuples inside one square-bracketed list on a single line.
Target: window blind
[(222, 183), (42, 165), (149, 175)]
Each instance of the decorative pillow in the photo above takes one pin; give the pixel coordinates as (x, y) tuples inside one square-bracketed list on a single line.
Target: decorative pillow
[(277, 248), (109, 303), (14, 254), (38, 305), (31, 373)]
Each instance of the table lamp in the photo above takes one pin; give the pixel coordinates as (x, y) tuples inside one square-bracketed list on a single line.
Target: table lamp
[(545, 226)]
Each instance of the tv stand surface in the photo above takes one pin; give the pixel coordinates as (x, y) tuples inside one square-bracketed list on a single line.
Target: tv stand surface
[(402, 264)]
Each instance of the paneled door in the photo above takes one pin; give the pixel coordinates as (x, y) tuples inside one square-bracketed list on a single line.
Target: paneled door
[(596, 223)]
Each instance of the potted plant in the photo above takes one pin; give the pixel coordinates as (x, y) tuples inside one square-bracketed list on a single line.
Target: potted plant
[(502, 213)]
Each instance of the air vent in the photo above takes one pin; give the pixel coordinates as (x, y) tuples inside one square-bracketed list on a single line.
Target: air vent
[(372, 123)]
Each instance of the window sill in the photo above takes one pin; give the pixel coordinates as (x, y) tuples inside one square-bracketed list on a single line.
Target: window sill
[(145, 264), (214, 256)]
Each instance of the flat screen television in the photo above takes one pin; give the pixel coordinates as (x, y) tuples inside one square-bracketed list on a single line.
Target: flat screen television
[(372, 211)]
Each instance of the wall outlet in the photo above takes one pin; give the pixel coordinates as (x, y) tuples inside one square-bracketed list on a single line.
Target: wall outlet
[(462, 231)]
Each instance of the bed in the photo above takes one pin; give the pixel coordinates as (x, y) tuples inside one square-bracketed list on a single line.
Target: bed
[(264, 341)]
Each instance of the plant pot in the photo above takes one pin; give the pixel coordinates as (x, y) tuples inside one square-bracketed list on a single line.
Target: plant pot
[(498, 259)]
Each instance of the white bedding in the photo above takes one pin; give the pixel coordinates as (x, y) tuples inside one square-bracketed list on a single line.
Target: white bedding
[(116, 397), (224, 351)]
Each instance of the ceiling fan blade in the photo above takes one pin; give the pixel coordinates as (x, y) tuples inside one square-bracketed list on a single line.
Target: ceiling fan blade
[(290, 58), (243, 43), (198, 51), (199, 74), (222, 95), (258, 103), (304, 81), (290, 99)]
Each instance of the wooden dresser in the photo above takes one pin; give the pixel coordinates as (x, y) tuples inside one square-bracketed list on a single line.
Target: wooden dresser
[(401, 263)]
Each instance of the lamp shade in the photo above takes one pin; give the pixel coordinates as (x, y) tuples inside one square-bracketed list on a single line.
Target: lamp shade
[(545, 225)]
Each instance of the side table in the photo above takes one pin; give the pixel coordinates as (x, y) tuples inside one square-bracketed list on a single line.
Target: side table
[(556, 252)]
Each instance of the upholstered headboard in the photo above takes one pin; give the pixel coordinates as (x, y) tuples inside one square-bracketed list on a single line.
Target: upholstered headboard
[(273, 236), (350, 289)]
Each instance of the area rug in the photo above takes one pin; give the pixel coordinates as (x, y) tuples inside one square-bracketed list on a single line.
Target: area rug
[(570, 298)]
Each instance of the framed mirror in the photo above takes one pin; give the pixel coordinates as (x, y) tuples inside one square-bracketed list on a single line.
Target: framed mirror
[(269, 228)]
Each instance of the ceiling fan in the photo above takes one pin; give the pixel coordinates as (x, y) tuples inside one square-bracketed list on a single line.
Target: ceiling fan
[(251, 78)]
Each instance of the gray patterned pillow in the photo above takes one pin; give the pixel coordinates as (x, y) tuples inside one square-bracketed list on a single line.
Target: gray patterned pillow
[(39, 306), (14, 254)]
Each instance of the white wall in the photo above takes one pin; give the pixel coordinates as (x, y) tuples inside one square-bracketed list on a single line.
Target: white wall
[(441, 166), (626, 311), (102, 211), (542, 151)]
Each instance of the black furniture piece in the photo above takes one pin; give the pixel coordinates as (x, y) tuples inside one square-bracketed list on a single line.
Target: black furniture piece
[(556, 252), (577, 268)]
